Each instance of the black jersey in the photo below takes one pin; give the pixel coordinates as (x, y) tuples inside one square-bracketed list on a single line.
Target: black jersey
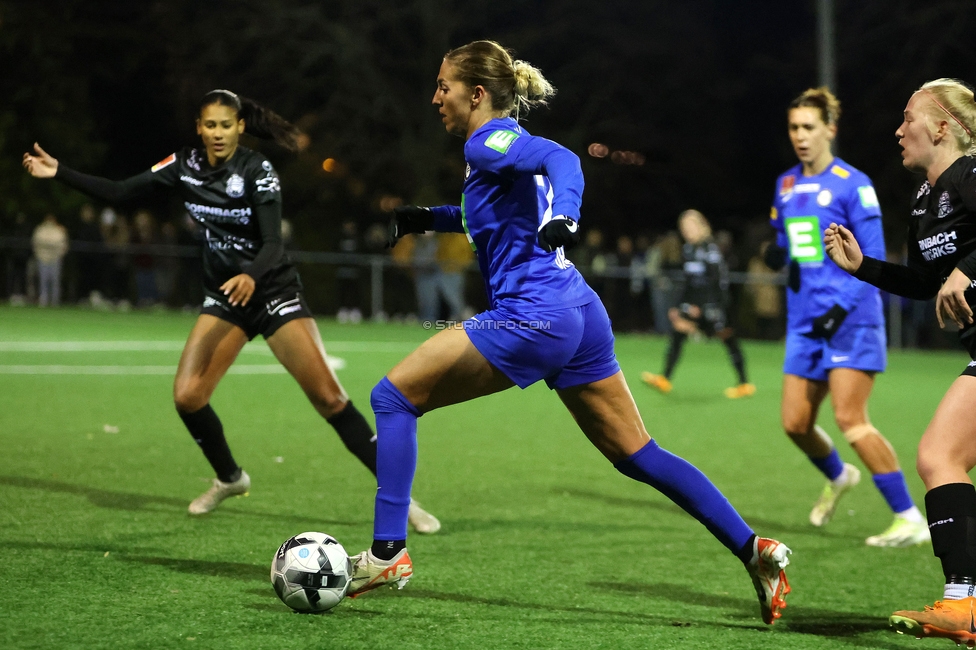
[(706, 280), (941, 237), (942, 232), (237, 204)]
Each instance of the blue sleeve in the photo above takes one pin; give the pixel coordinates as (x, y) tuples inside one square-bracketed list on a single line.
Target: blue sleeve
[(447, 218), (864, 219), (776, 221), (527, 154)]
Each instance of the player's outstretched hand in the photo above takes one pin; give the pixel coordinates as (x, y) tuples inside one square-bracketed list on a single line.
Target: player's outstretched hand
[(558, 231), (951, 300), (406, 220), (842, 248), (239, 289), (41, 164)]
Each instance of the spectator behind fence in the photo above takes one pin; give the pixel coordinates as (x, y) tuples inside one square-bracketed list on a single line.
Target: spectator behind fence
[(454, 256), (115, 232), (50, 243), (190, 284), (90, 262), (143, 262), (17, 262), (348, 277), (766, 295), (663, 259)]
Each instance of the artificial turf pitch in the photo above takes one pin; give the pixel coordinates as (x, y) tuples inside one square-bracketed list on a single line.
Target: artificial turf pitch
[(544, 544)]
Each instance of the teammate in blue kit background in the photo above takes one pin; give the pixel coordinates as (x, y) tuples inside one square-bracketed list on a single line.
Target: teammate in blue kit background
[(519, 208), (835, 338)]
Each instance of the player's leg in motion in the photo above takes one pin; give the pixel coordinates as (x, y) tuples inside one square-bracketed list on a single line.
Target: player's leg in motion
[(849, 390), (946, 454), (210, 350), (743, 388), (447, 369), (298, 346), (801, 402), (681, 328), (606, 412)]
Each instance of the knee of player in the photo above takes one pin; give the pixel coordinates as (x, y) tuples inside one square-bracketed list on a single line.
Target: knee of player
[(797, 424), (189, 397), (854, 427), (932, 459), (329, 404)]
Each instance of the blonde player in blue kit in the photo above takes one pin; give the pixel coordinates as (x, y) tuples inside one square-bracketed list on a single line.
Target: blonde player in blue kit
[(835, 338), (520, 208)]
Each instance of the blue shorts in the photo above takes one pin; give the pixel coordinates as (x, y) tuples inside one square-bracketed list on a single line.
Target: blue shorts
[(566, 347), (859, 348)]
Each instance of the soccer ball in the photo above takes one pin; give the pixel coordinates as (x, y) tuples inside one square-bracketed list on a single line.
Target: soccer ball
[(310, 572)]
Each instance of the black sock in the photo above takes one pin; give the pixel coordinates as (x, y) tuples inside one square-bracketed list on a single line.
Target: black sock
[(745, 553), (738, 361), (206, 429), (386, 549), (356, 434), (951, 512), (674, 351)]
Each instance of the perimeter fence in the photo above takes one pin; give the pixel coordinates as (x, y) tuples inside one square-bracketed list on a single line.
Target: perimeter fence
[(374, 286)]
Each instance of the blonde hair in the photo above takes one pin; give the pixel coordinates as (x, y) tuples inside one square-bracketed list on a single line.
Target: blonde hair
[(955, 99), (699, 218), (514, 86), (821, 99)]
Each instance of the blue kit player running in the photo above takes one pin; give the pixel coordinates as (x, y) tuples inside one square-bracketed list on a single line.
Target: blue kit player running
[(835, 339), (519, 209)]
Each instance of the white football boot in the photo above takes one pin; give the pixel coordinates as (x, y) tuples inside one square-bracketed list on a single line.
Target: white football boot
[(421, 520), (825, 506), (769, 577), (219, 491), (370, 572)]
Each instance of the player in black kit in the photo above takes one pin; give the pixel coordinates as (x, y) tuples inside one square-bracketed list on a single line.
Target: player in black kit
[(937, 137), (251, 287), (702, 306)]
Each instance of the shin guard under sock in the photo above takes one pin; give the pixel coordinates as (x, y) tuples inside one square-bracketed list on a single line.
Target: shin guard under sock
[(951, 511), (831, 465), (206, 429), (894, 490), (356, 434), (685, 484), (396, 459)]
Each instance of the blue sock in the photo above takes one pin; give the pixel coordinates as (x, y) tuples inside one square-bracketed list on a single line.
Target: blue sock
[(831, 466), (396, 459), (895, 491), (684, 484)]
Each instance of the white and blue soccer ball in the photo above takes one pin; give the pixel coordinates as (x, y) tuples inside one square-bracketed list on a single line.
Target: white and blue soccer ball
[(310, 572)]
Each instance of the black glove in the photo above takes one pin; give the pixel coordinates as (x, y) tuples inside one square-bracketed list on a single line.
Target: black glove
[(775, 257), (408, 219), (559, 231), (827, 325)]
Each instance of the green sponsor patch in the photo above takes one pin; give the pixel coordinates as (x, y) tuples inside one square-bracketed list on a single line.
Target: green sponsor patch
[(501, 141), (806, 243)]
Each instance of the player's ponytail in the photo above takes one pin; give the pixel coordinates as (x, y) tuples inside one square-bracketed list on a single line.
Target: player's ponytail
[(514, 86), (821, 99), (956, 99), (259, 121)]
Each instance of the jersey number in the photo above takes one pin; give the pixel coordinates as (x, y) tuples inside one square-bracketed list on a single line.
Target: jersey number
[(806, 244)]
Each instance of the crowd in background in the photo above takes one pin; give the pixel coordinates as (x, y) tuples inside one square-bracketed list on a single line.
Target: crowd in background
[(110, 260)]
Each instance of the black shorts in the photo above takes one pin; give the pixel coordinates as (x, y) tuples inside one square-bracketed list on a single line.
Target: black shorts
[(712, 321), (258, 317)]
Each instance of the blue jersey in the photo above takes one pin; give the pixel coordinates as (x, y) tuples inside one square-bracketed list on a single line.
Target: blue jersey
[(804, 206), (515, 182)]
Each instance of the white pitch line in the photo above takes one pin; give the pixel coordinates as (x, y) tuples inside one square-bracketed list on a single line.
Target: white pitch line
[(176, 346), (336, 363)]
